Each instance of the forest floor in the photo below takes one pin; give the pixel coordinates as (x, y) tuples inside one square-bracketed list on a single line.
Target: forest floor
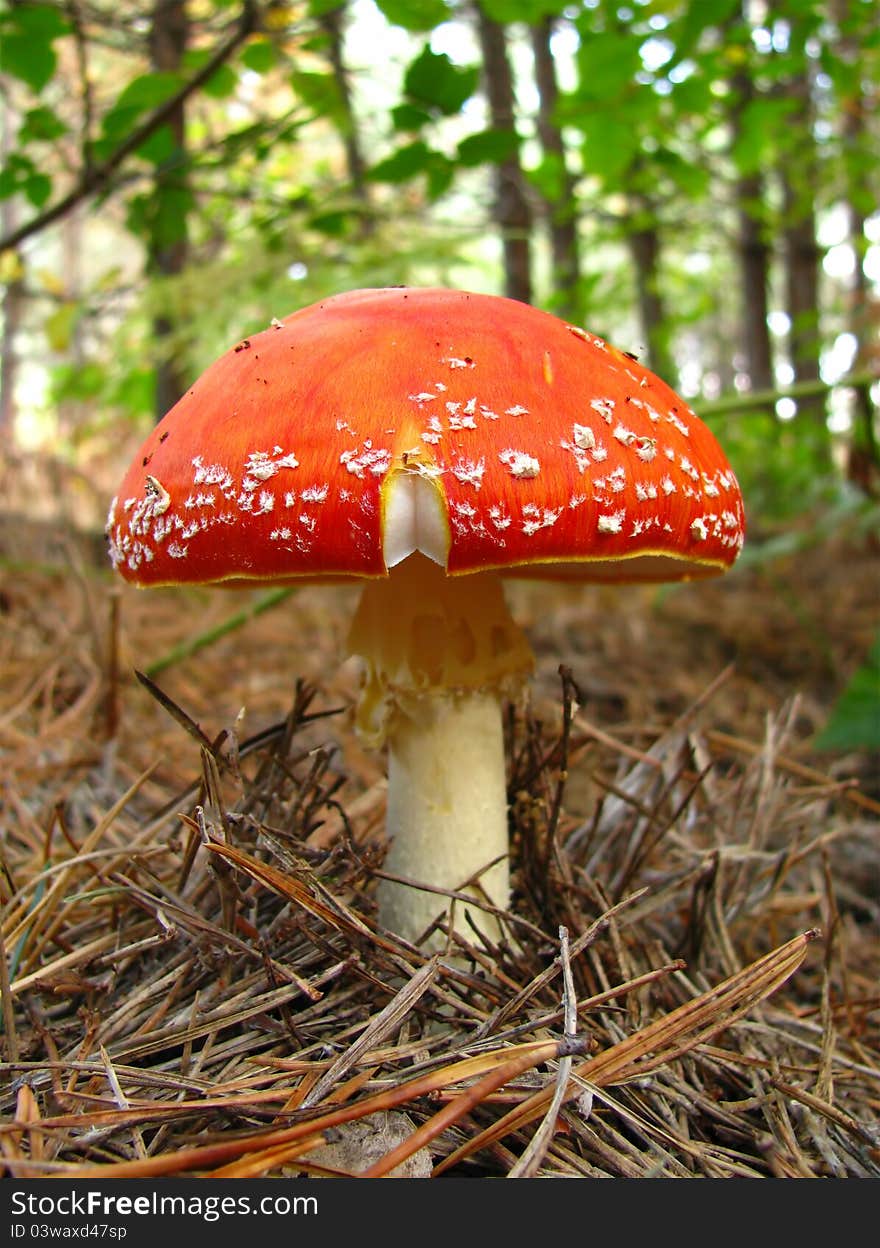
[(192, 978)]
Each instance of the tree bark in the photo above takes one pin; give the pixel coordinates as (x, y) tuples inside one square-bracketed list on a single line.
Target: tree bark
[(754, 269), (863, 458), (643, 240), (801, 256), (560, 210), (13, 301), (754, 255), (169, 36), (333, 24), (512, 212)]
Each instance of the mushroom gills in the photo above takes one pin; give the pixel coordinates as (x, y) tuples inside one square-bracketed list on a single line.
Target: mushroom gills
[(414, 517)]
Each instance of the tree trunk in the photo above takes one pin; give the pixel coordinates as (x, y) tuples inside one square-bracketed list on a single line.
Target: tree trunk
[(560, 209), (512, 212), (801, 257), (754, 269), (333, 24), (168, 41), (643, 240), (863, 460), (754, 254), (13, 299)]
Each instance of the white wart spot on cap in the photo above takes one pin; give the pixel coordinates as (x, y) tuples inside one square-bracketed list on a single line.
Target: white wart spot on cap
[(520, 464), (612, 523)]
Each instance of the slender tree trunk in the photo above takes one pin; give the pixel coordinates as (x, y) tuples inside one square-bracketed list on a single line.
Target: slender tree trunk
[(801, 257), (70, 231), (863, 464), (560, 208), (863, 452), (512, 211), (801, 260), (754, 255), (333, 24), (754, 270), (643, 240), (168, 41), (13, 300)]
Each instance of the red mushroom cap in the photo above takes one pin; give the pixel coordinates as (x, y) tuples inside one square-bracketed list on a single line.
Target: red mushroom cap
[(549, 453)]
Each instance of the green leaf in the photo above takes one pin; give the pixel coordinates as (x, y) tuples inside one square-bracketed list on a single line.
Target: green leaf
[(529, 11), (610, 144), (222, 83), (160, 146), (415, 15), (693, 180), (30, 60), (148, 91), (16, 172), (142, 95), (173, 206), (432, 79), (608, 62), (78, 381), (38, 21), (441, 172), (761, 123), (697, 18), (38, 188), (408, 117), (415, 158), (320, 92), (135, 392), (550, 177), (317, 8), (331, 224), (488, 147), (59, 326), (403, 164), (8, 183), (40, 125), (160, 217), (855, 720), (27, 33), (260, 56)]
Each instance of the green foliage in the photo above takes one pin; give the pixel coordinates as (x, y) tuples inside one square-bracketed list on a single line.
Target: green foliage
[(161, 214), (259, 56), (409, 118), (222, 83), (320, 92), (415, 15), (854, 723), (694, 20), (487, 147), (40, 125), (434, 82), (27, 37), (529, 11), (139, 97), (607, 62), (758, 129), (414, 159)]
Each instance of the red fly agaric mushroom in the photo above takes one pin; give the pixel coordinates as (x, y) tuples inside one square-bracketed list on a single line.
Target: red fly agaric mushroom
[(425, 443)]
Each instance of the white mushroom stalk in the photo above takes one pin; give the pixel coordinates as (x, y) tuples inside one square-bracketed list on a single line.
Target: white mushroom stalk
[(441, 655)]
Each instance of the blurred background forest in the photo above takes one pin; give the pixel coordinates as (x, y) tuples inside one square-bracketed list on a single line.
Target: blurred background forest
[(697, 182)]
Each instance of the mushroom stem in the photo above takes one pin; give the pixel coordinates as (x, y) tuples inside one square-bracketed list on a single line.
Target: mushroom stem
[(447, 811), (441, 653)]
